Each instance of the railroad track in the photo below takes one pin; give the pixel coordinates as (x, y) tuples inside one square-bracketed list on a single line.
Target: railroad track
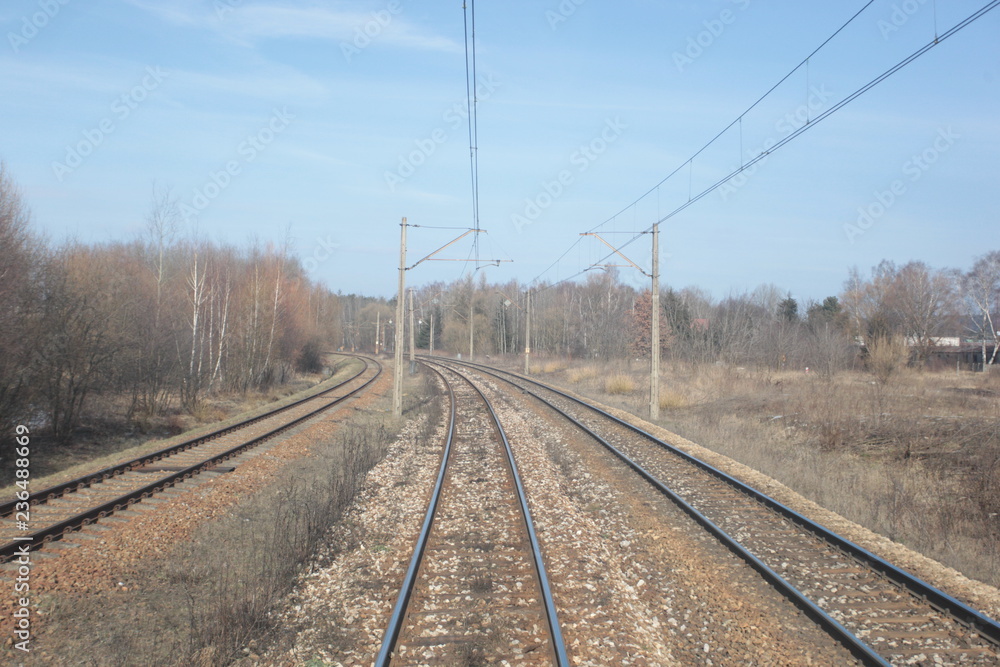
[(53, 512), (883, 614), (476, 591)]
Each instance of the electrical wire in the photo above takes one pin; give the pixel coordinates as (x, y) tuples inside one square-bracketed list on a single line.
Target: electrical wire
[(743, 166), (739, 118), (469, 12)]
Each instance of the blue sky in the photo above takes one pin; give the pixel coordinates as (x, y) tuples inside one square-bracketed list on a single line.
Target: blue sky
[(329, 121)]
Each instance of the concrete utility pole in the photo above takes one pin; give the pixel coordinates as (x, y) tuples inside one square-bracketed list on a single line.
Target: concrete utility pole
[(527, 332), (413, 359), (654, 330), (654, 353), (378, 330), (432, 333), (397, 379), (471, 330)]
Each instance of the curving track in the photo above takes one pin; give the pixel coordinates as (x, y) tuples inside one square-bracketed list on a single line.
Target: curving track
[(881, 613), (51, 513), (476, 591)]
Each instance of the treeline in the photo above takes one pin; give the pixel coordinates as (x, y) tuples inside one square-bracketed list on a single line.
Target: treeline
[(153, 324), (914, 307), (604, 318), (158, 322)]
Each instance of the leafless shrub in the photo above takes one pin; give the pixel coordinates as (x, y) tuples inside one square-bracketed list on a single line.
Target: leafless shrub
[(886, 356)]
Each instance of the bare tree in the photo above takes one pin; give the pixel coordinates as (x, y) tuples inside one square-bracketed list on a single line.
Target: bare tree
[(84, 313), (924, 301), (870, 302), (197, 297), (156, 362), (981, 287), (19, 257)]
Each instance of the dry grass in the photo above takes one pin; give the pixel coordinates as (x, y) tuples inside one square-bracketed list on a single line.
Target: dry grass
[(618, 384), (673, 400), (65, 463), (577, 375), (210, 600), (554, 366), (911, 455)]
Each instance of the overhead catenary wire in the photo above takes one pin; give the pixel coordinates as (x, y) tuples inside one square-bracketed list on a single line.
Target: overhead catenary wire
[(842, 103), (764, 154), (739, 118), (737, 121), (469, 19)]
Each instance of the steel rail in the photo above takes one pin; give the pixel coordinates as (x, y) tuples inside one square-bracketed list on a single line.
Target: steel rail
[(58, 490), (858, 648), (987, 627), (395, 624), (558, 643), (403, 601), (39, 538)]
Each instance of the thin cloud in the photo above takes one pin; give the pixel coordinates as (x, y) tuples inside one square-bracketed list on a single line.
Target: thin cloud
[(250, 23)]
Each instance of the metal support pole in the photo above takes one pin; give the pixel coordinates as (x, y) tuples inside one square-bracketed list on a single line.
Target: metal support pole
[(397, 379), (432, 333), (378, 330), (471, 330), (654, 353)]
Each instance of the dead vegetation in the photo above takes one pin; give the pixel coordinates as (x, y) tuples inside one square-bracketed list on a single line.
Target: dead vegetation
[(106, 441), (913, 455), (210, 601)]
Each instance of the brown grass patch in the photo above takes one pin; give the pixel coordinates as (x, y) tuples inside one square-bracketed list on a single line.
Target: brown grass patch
[(619, 384), (673, 400), (577, 375), (915, 458)]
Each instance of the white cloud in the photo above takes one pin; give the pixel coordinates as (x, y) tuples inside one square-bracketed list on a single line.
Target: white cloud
[(112, 78), (248, 23)]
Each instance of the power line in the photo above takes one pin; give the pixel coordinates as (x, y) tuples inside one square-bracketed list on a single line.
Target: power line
[(839, 105), (746, 165), (469, 12), (739, 119)]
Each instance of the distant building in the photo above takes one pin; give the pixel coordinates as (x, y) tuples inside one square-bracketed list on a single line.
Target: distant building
[(965, 354)]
